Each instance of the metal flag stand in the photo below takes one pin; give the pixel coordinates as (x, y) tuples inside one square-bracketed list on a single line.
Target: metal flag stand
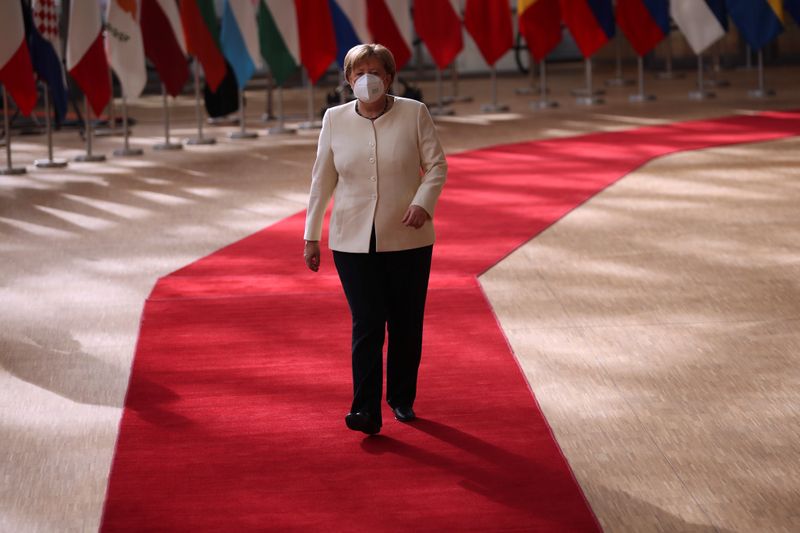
[(242, 133), (716, 69), (543, 102), (198, 114), (280, 129), (310, 124), (640, 96), (440, 109), (760, 92), (455, 97), (9, 170), (668, 73), (493, 106), (618, 80), (126, 149), (588, 96), (89, 157), (530, 88), (267, 116), (167, 144), (700, 93), (49, 162)]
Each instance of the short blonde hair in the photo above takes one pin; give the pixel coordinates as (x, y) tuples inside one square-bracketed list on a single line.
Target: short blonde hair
[(362, 52)]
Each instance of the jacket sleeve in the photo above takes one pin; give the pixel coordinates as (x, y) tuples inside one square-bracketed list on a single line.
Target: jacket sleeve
[(432, 160), (323, 181)]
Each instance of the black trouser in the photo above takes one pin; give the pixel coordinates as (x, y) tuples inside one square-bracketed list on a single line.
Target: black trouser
[(385, 290)]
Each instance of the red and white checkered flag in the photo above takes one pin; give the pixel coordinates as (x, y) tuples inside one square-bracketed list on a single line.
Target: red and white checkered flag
[(45, 16)]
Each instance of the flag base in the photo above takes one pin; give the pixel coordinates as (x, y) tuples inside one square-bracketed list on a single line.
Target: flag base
[(638, 98), (167, 146), (543, 104), (441, 111), (267, 117), (701, 95), (243, 135), (193, 141), (50, 163), (619, 82), (589, 100), (760, 93), (281, 130), (525, 90), (718, 83), (583, 91), (494, 108), (670, 75), (12, 171), (310, 125), (126, 152), (90, 158)]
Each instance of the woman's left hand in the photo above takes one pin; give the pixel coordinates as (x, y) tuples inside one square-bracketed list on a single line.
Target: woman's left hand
[(415, 216)]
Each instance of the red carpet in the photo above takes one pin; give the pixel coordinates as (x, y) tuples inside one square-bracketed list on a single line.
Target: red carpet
[(234, 414)]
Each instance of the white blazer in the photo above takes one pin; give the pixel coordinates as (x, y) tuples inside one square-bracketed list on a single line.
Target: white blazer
[(375, 170)]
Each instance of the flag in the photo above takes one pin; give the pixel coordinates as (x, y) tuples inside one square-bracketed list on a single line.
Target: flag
[(591, 23), (239, 38), (42, 31), (162, 34), (759, 21), (86, 58), (278, 38), (540, 24), (698, 23), (124, 46), (489, 24), (317, 39), (389, 23), (720, 11), (201, 30), (793, 7), (349, 25), (16, 72), (439, 27), (644, 22)]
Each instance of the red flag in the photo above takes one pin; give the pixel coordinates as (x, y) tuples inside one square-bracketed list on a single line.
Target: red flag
[(317, 40), (200, 42), (86, 56), (439, 27), (384, 29), (16, 71), (540, 24), (489, 23), (645, 24), (591, 23), (163, 43)]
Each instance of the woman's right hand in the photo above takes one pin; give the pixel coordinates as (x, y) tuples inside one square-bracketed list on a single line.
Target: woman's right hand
[(311, 255)]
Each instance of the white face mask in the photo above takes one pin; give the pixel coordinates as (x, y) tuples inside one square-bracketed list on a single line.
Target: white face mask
[(368, 88)]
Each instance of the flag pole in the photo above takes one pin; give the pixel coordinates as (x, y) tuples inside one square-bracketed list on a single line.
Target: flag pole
[(49, 162), (618, 80), (454, 77), (9, 170), (700, 93), (440, 109), (716, 69), (668, 73), (589, 98), (761, 92), (311, 123), (242, 133), (198, 114), (88, 157), (640, 96), (166, 145), (280, 129), (543, 102), (126, 149), (530, 89), (494, 107), (268, 115)]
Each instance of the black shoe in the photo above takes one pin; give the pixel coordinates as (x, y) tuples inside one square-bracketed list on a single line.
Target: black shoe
[(363, 422), (404, 414)]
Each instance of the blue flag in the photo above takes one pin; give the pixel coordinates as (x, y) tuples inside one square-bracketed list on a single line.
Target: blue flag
[(346, 36), (46, 64), (759, 21)]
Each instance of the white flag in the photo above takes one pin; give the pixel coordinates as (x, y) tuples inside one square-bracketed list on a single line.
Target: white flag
[(697, 23), (124, 46)]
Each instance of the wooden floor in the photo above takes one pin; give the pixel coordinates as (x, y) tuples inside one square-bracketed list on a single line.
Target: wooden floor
[(657, 324)]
